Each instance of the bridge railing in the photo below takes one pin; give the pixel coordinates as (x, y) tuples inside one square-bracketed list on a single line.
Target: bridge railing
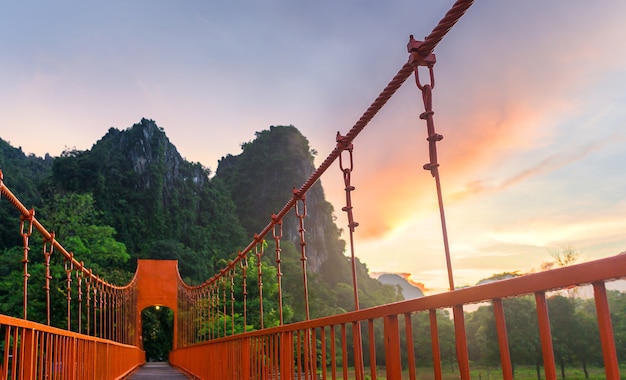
[(360, 341), (99, 316), (93, 305), (31, 350), (330, 348), (207, 311)]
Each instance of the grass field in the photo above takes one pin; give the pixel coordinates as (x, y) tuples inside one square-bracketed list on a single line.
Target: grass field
[(529, 372), (486, 373)]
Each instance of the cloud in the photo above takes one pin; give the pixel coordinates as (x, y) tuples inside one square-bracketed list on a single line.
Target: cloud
[(545, 166)]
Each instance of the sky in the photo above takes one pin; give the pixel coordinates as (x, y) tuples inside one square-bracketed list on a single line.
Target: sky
[(528, 96)]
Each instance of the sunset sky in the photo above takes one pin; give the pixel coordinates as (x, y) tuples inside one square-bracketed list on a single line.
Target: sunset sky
[(529, 96)]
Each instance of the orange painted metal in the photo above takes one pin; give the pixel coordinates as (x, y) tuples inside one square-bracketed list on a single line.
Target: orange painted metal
[(543, 321), (26, 232), (323, 363), (286, 358), (251, 350), (107, 300), (503, 340), (344, 351), (372, 338), (461, 342), (37, 351), (258, 252), (346, 170), (333, 356), (392, 348), (298, 360), (301, 212), (187, 294), (418, 55), (156, 286), (607, 341), (408, 326), (287, 350), (435, 349), (357, 344), (277, 235)]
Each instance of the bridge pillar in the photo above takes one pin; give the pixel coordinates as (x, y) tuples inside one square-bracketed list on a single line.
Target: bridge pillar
[(157, 286)]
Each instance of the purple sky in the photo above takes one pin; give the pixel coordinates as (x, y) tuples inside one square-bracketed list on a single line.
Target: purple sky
[(529, 96)]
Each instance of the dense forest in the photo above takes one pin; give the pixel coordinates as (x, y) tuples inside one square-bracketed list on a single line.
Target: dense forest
[(133, 196)]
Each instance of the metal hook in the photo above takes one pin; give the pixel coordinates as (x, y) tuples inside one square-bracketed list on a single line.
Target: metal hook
[(432, 77)]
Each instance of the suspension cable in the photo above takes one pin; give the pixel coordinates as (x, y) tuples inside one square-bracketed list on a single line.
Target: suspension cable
[(420, 55), (447, 22)]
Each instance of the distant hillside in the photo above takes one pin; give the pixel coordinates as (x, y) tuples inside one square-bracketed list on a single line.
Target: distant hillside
[(408, 291), (261, 179), (160, 206)]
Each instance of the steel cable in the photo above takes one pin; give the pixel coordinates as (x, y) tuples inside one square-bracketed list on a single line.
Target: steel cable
[(447, 22)]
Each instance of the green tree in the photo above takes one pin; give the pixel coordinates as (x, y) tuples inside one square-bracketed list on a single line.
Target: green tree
[(157, 324), (617, 303), (522, 333), (478, 326), (565, 329), (23, 175), (521, 323), (77, 224), (148, 193), (586, 346)]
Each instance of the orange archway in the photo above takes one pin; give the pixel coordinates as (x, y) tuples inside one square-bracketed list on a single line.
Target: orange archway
[(157, 286)]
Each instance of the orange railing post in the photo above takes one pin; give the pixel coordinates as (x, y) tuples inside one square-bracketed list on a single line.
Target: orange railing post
[(435, 349), (28, 352), (543, 320), (263, 354), (392, 348), (503, 340), (33, 350), (204, 345), (611, 366), (37, 351), (461, 342)]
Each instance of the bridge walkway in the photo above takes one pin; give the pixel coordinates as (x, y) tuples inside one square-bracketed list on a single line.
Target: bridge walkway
[(156, 371)]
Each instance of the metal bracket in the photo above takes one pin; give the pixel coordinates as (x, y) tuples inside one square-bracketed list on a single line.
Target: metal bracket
[(416, 58)]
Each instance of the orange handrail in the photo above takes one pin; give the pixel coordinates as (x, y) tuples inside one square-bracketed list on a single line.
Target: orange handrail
[(36, 351), (248, 355)]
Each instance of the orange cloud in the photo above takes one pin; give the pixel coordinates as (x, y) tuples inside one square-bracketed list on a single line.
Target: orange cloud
[(484, 122), (407, 276), (395, 188), (420, 285)]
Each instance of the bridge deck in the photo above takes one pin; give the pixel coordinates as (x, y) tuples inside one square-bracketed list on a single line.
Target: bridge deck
[(157, 370)]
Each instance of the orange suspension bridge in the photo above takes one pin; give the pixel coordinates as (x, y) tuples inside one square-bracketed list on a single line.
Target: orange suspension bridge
[(103, 339)]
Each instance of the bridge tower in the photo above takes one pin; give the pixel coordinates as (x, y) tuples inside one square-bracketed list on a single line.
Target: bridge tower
[(157, 286)]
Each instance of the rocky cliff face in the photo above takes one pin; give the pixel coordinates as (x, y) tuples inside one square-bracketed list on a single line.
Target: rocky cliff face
[(148, 150), (153, 197), (261, 180)]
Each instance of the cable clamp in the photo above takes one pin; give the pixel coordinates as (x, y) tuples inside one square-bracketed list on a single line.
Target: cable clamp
[(435, 137), (431, 166), (416, 58)]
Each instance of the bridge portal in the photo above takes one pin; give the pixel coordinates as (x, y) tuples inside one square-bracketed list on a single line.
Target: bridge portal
[(157, 286)]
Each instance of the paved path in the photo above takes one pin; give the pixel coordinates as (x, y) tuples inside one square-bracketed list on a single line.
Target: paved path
[(157, 370)]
